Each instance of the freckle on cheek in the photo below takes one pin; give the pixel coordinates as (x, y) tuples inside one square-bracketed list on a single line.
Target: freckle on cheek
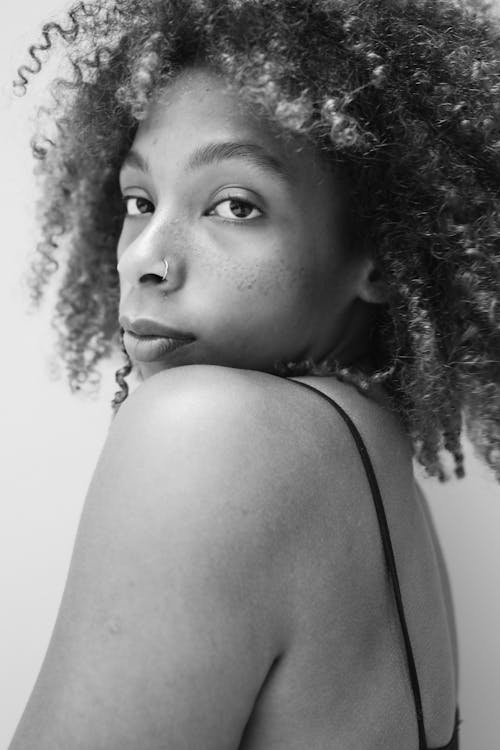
[(243, 278), (247, 283)]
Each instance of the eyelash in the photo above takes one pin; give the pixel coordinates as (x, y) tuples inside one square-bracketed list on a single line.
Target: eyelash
[(127, 198), (241, 202), (211, 211)]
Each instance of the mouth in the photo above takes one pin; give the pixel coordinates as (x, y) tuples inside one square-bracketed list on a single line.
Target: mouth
[(147, 340)]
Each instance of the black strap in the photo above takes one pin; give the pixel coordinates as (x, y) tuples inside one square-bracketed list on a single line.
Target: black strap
[(388, 554)]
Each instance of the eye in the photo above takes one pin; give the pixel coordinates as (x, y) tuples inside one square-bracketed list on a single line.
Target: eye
[(235, 209), (137, 206)]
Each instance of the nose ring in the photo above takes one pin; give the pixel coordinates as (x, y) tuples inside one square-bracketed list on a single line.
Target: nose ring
[(164, 277)]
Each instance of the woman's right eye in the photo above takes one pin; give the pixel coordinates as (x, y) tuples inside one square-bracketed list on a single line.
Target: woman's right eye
[(137, 206)]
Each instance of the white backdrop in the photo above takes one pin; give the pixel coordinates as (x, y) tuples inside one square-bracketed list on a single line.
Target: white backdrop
[(50, 440)]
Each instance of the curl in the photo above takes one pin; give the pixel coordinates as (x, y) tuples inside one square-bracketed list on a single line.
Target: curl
[(120, 376), (401, 98), (51, 31)]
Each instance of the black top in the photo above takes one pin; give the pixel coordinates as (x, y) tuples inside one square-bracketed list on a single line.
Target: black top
[(392, 573)]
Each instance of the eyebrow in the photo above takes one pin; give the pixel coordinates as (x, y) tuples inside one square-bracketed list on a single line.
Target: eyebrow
[(212, 153)]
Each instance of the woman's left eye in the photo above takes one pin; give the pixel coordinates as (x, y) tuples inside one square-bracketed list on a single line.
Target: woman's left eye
[(235, 209)]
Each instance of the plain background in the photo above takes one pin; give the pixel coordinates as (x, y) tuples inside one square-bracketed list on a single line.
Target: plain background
[(50, 441)]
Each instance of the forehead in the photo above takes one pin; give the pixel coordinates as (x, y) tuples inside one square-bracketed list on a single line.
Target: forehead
[(199, 107), (199, 90)]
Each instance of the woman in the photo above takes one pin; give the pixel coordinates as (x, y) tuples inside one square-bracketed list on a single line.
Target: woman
[(309, 191)]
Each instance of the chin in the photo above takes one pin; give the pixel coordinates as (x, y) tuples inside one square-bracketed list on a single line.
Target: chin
[(146, 369)]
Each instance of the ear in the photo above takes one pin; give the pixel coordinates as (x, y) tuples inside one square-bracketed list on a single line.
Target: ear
[(371, 287)]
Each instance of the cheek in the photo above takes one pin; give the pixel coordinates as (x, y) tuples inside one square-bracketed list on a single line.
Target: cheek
[(230, 275), (276, 288)]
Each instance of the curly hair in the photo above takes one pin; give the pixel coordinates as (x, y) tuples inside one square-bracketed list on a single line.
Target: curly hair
[(400, 95)]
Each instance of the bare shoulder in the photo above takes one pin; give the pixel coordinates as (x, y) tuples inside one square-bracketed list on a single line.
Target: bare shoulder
[(238, 420), (253, 428), (237, 444), (215, 413), (222, 392), (174, 606), (239, 399), (190, 391), (241, 444), (215, 447)]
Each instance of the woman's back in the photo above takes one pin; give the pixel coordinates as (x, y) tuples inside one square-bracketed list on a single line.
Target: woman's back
[(228, 587), (344, 676)]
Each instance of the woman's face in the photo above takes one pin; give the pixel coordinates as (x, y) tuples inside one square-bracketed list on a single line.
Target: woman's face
[(250, 229)]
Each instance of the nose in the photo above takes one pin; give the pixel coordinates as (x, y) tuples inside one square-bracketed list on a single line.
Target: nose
[(153, 256)]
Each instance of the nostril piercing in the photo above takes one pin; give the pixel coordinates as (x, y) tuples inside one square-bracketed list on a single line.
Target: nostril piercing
[(164, 277)]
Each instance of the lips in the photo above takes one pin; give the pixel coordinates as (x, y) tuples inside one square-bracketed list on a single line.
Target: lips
[(148, 327), (147, 340)]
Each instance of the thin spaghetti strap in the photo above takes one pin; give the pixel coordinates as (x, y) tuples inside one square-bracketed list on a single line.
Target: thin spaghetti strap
[(388, 554)]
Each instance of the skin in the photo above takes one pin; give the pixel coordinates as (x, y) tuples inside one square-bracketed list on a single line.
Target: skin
[(227, 589), (255, 282)]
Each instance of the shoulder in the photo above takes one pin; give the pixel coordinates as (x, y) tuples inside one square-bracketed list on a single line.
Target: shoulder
[(218, 445), (243, 401), (226, 416), (210, 414), (233, 452), (200, 389), (200, 430), (371, 413), (235, 421), (193, 389)]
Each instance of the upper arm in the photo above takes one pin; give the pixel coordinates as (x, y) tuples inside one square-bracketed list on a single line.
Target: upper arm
[(173, 609)]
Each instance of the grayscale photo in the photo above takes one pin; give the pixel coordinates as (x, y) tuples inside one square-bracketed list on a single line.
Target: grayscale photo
[(250, 416)]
